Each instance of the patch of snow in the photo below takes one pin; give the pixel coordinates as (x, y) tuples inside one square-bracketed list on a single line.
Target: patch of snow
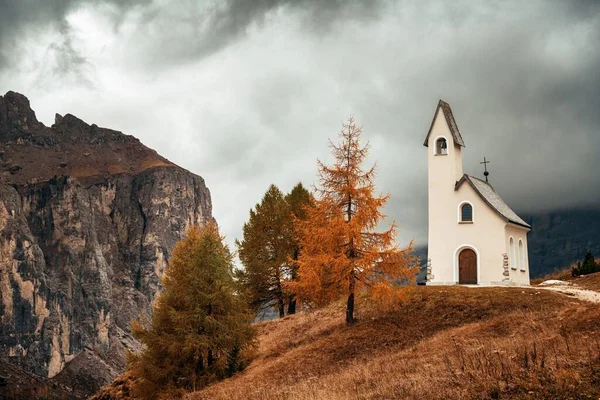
[(573, 290), (554, 282), (581, 294)]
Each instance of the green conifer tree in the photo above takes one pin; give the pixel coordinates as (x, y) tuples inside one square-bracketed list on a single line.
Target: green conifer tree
[(270, 248), (587, 266), (265, 250), (197, 321)]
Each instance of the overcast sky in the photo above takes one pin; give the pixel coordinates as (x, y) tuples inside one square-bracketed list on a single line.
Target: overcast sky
[(246, 93)]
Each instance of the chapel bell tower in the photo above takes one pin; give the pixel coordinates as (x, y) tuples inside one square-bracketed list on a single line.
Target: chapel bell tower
[(444, 164)]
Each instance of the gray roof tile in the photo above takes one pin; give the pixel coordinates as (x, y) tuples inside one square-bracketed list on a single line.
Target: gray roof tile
[(489, 195), (445, 107)]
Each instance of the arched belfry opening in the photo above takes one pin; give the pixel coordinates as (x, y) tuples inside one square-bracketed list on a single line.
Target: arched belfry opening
[(441, 147)]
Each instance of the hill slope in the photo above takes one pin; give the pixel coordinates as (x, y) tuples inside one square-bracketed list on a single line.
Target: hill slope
[(445, 342)]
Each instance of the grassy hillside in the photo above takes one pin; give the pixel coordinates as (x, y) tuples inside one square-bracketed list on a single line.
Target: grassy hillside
[(588, 282), (445, 342), (452, 342)]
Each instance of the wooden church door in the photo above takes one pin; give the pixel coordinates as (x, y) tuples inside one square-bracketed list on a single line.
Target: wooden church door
[(467, 267)]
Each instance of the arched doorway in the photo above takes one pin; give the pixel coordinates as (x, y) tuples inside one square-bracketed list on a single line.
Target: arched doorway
[(467, 267)]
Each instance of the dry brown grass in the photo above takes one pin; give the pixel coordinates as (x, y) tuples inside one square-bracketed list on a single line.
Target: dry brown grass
[(116, 169), (152, 162), (590, 282), (451, 342), (120, 388), (559, 274), (81, 172)]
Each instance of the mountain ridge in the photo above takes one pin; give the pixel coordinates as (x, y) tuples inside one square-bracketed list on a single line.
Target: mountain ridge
[(32, 152), (88, 217)]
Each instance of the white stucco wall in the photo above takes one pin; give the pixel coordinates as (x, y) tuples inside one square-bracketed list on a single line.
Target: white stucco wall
[(447, 237), (487, 235), (519, 272)]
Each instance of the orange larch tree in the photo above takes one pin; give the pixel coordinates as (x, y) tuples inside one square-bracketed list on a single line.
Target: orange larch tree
[(298, 200), (342, 254)]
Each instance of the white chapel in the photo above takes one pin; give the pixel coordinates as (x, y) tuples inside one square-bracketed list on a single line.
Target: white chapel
[(474, 236)]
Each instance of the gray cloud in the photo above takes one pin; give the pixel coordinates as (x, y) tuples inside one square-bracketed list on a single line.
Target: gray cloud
[(20, 19), (184, 32), (247, 94)]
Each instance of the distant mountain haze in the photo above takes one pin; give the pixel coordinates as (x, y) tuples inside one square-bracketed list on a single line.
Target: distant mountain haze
[(560, 238)]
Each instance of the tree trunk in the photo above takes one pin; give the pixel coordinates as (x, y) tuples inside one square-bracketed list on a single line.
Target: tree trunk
[(200, 366), (211, 359), (350, 304), (350, 310), (281, 307), (292, 305)]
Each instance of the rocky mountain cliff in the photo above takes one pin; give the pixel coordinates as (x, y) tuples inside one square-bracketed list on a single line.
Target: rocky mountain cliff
[(88, 217)]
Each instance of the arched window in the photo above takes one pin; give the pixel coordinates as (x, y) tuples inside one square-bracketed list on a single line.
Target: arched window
[(466, 213), (513, 261), (521, 255), (441, 147)]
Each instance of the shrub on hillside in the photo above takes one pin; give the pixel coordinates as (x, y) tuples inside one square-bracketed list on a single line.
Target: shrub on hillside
[(587, 266)]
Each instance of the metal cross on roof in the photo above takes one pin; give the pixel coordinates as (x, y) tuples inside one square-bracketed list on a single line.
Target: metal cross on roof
[(485, 173)]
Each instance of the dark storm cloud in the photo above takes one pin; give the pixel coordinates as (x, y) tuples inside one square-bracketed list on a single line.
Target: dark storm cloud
[(246, 93), (192, 30), (18, 16), (525, 88), (200, 29), (17, 13), (21, 18), (232, 19), (537, 113), (525, 92)]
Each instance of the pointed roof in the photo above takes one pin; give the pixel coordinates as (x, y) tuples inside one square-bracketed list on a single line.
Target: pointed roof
[(489, 195), (445, 107)]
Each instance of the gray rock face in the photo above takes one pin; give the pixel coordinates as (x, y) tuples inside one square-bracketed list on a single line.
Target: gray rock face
[(81, 257)]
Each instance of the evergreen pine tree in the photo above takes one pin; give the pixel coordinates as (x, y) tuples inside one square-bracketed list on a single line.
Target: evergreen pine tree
[(265, 251), (587, 266), (197, 321)]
